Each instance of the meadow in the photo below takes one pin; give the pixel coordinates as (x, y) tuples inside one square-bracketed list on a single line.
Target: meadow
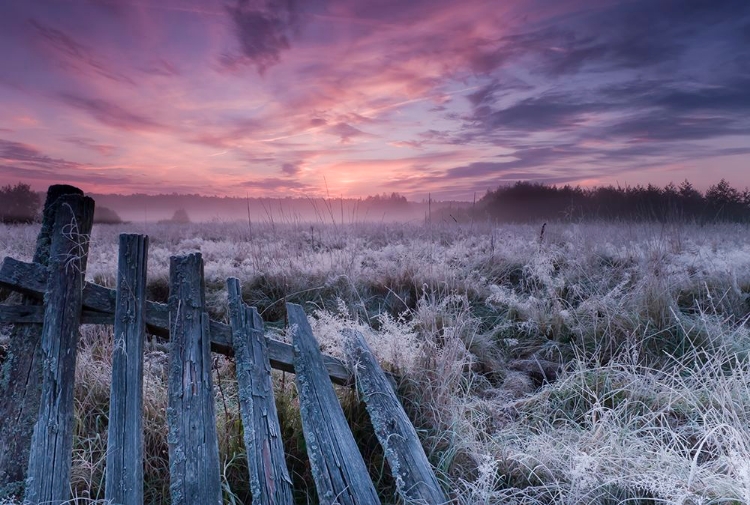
[(648, 324)]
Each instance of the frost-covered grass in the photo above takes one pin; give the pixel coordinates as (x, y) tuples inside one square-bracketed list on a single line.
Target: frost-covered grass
[(649, 324)]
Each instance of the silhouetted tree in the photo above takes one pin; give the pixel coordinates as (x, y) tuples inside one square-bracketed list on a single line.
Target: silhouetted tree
[(180, 216), (724, 201), (19, 204), (392, 200)]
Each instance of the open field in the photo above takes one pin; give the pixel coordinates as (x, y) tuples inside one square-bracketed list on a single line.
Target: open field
[(648, 323)]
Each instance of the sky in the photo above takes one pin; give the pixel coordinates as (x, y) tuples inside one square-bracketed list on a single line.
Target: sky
[(359, 97)]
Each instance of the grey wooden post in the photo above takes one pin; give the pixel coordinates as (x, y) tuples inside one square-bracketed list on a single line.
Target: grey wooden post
[(48, 479), (21, 374), (193, 445), (338, 468), (415, 480), (124, 473), (269, 477)]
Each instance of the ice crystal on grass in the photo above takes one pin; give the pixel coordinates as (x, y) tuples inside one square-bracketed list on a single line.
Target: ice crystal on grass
[(648, 324)]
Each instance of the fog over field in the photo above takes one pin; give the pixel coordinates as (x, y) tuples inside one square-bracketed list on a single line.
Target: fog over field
[(388, 208)]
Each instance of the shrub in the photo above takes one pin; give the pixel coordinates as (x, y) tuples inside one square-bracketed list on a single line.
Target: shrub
[(19, 204)]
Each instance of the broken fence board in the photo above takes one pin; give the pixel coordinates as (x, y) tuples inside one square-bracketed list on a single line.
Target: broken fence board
[(124, 470), (338, 469), (415, 479), (48, 476), (269, 477), (31, 278), (194, 473)]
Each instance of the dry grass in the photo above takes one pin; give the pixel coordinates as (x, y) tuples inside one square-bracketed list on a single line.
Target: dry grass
[(648, 322)]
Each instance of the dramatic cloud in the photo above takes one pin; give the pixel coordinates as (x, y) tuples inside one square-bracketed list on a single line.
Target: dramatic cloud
[(263, 29), (360, 97)]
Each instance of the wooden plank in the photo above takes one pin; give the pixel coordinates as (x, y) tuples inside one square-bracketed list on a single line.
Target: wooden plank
[(415, 479), (34, 314), (193, 445), (269, 477), (338, 469), (124, 475), (48, 478), (21, 374), (29, 278)]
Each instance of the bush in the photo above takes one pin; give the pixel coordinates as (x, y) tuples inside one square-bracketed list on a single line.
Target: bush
[(19, 204), (180, 216), (105, 215)]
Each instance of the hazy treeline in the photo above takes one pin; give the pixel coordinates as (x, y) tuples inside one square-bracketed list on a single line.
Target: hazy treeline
[(526, 201), (20, 204), (201, 208), (520, 202)]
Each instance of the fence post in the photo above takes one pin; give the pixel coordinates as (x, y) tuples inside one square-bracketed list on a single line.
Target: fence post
[(48, 479), (21, 375), (338, 468), (124, 471), (269, 477), (193, 444), (415, 480)]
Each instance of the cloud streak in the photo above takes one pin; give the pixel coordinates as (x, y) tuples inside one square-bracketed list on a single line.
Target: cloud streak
[(111, 114), (75, 55)]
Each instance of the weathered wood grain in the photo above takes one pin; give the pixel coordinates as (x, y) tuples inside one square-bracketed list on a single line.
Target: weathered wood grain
[(21, 374), (269, 477), (48, 479), (30, 279), (34, 314), (415, 479), (194, 473), (338, 468), (124, 471)]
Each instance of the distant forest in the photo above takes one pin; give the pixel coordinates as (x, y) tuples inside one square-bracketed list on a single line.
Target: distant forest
[(526, 201), (520, 202)]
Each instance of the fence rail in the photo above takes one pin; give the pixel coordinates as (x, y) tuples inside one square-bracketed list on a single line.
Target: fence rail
[(35, 451), (99, 302)]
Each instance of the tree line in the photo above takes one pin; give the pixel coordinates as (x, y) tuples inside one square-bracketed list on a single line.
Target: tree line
[(20, 204), (520, 202), (528, 201)]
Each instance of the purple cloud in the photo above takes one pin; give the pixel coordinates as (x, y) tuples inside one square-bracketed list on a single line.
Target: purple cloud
[(111, 114), (73, 54)]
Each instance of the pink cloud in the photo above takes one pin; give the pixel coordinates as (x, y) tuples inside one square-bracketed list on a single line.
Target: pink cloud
[(112, 114)]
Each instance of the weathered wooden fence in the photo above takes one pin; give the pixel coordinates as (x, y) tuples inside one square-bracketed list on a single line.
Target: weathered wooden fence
[(36, 393)]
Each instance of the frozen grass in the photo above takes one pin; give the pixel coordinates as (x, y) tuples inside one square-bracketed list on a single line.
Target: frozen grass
[(649, 323)]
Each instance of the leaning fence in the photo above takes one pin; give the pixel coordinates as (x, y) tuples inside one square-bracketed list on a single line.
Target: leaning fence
[(36, 394)]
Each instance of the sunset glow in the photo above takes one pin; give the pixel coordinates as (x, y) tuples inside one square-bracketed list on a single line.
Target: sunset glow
[(353, 98)]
